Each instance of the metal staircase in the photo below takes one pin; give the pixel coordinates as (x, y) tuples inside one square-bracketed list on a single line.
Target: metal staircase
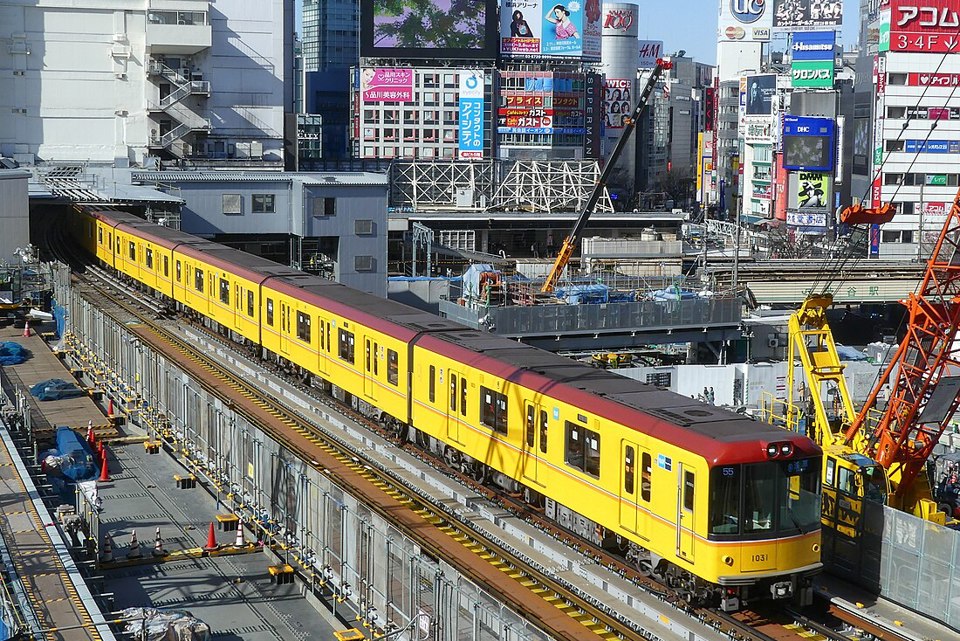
[(172, 104)]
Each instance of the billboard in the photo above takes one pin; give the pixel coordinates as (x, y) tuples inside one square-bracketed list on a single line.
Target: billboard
[(471, 114), (813, 45), (434, 29), (386, 85), (798, 15), (808, 143), (928, 26), (535, 28), (807, 222), (592, 112), (815, 74), (620, 19), (932, 146), (744, 21), (933, 79), (617, 102), (813, 190), (760, 91), (650, 51)]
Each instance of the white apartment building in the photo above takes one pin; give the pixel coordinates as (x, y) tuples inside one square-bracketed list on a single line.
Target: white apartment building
[(117, 81)]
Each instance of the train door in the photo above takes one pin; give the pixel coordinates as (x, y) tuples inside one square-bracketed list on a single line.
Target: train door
[(686, 530), (629, 488), (453, 405), (370, 368), (238, 305), (284, 328), (528, 461)]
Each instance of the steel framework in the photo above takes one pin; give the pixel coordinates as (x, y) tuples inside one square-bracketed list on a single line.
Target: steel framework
[(419, 186), (550, 186)]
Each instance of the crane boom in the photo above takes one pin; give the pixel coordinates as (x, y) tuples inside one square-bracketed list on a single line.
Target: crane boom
[(570, 242), (907, 432)]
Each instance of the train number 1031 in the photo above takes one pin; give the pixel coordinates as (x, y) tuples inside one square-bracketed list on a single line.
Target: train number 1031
[(758, 558)]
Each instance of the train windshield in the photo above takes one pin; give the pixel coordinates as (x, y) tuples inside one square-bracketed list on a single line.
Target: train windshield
[(765, 499)]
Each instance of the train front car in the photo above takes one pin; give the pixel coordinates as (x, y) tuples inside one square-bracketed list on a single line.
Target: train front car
[(763, 520)]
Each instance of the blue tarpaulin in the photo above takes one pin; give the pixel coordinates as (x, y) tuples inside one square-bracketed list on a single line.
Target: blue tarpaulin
[(13, 353), (53, 389)]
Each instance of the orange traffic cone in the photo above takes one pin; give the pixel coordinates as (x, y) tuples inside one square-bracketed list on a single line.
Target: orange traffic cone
[(104, 471), (134, 552), (26, 329), (158, 545), (106, 555), (110, 408), (239, 541), (211, 539)]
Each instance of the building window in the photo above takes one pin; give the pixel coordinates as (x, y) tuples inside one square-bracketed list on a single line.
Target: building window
[(303, 327), (493, 409), (264, 203), (232, 204)]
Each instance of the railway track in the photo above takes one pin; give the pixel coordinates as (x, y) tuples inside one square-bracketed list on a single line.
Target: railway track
[(344, 465)]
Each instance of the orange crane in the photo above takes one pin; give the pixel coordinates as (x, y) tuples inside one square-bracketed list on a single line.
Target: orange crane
[(570, 242), (923, 397)]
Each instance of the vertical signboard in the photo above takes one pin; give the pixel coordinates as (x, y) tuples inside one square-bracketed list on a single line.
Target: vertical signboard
[(593, 112), (471, 114), (617, 102)]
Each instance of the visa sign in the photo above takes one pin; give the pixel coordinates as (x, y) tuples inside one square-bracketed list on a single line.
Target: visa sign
[(747, 11)]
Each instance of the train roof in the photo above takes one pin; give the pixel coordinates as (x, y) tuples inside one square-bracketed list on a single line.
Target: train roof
[(112, 216), (233, 261), (381, 314), (715, 433)]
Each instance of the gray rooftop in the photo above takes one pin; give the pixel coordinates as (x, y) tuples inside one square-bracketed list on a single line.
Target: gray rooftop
[(318, 178)]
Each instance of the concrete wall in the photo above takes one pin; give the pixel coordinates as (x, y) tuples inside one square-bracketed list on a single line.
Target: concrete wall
[(14, 213)]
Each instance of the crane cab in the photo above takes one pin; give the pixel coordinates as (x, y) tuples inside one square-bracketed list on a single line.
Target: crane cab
[(849, 479)]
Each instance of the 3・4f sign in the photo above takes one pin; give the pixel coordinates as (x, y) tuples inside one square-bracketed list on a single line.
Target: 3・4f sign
[(925, 25)]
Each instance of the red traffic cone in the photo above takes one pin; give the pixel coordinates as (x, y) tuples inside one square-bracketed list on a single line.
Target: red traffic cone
[(91, 437), (104, 471), (26, 329), (158, 545), (239, 541), (106, 555), (101, 454), (211, 539), (134, 552), (109, 407)]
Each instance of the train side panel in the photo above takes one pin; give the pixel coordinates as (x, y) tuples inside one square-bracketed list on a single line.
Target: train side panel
[(192, 283)]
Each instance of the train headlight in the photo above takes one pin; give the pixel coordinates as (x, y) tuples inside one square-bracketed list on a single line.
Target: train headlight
[(816, 548), (778, 450), (772, 450), (728, 560), (786, 449)]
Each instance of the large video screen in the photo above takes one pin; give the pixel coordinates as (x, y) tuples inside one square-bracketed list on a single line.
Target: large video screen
[(457, 29), (808, 152)]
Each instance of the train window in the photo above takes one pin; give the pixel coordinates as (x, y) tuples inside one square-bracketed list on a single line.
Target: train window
[(238, 296), (133, 250), (224, 291), (493, 410), (346, 345), (543, 431), (149, 258), (329, 344), (393, 367), (179, 272), (166, 266), (323, 329), (831, 470), (463, 395), (100, 235), (531, 425), (845, 481), (270, 312), (582, 449), (303, 327), (433, 384), (629, 462), (760, 497), (198, 279), (688, 487), (453, 392), (250, 303), (725, 500), (376, 359), (367, 362), (646, 475)]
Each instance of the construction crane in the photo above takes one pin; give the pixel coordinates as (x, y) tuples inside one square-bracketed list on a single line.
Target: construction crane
[(570, 242)]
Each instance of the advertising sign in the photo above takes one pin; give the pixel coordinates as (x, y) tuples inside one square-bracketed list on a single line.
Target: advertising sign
[(744, 21), (808, 143), (780, 195), (936, 180), (807, 222), (933, 79), (617, 102), (709, 108), (932, 146), (758, 129), (435, 29), (812, 73), (535, 28), (927, 26), (760, 91), (386, 85), (814, 45), (809, 15), (620, 19), (813, 190), (592, 112), (650, 51), (471, 114), (874, 240)]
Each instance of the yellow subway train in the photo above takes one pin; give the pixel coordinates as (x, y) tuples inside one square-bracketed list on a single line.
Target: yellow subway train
[(723, 508)]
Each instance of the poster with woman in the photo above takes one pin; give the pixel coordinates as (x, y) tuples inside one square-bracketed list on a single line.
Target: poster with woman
[(562, 26)]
